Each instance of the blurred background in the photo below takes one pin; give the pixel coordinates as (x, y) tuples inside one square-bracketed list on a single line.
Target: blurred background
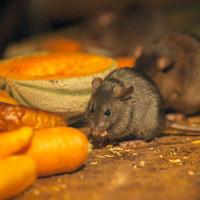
[(118, 26)]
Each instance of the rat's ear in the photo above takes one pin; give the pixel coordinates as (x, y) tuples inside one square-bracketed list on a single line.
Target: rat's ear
[(165, 63), (122, 92), (96, 83), (138, 51)]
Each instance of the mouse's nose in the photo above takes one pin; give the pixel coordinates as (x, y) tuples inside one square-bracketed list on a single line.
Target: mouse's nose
[(99, 130)]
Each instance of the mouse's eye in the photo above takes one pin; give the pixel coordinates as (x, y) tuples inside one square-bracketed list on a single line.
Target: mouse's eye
[(107, 112)]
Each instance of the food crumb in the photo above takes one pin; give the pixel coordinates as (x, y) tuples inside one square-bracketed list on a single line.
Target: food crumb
[(81, 176), (94, 163), (196, 142), (57, 189), (109, 146), (128, 150), (142, 163), (175, 160), (100, 156), (36, 192), (191, 173), (63, 186), (108, 156), (59, 180)]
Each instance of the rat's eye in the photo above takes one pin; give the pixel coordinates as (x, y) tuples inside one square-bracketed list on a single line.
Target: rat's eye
[(107, 112)]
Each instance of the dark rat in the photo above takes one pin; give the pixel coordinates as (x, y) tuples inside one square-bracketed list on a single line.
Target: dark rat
[(127, 103), (125, 29), (173, 63)]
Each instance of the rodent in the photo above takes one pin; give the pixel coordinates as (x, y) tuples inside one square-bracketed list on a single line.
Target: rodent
[(173, 63), (125, 29), (126, 103)]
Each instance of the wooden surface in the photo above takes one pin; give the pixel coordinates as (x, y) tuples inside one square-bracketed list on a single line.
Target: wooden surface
[(167, 168)]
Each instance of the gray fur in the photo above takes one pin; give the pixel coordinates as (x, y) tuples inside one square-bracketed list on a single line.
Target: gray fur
[(139, 114)]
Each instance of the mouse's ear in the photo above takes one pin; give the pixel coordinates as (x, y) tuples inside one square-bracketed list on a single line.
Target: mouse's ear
[(96, 83), (122, 92), (164, 63)]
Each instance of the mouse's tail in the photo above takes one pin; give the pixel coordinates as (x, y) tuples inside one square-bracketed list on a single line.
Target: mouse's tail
[(181, 127)]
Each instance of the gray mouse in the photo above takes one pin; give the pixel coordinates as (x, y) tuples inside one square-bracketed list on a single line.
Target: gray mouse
[(173, 63), (127, 104)]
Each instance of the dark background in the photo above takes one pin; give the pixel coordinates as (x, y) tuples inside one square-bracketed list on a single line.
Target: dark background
[(21, 19)]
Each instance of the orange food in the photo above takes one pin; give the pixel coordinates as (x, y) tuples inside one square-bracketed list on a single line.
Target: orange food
[(13, 141), (16, 174), (125, 61), (15, 116), (54, 82), (54, 66), (58, 150), (4, 97), (60, 44)]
